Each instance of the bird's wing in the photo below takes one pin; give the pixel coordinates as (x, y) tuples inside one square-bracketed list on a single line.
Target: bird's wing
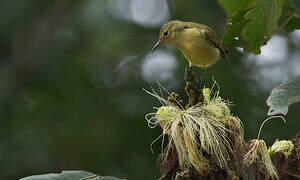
[(211, 36)]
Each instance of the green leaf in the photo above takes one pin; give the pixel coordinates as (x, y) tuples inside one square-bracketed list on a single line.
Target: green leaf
[(287, 13), (70, 175), (263, 23), (234, 27), (252, 23), (292, 25), (283, 96), (288, 21), (296, 6), (232, 6)]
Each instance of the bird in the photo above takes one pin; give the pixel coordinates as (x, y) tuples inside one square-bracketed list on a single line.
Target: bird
[(197, 42)]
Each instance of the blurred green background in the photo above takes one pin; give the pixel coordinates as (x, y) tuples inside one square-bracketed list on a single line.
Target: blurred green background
[(72, 74)]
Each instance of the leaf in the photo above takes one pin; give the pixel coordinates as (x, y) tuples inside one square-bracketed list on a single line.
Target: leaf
[(296, 5), (233, 36), (232, 6), (292, 25), (252, 23), (263, 23), (70, 175), (287, 13), (288, 21), (283, 96), (236, 10)]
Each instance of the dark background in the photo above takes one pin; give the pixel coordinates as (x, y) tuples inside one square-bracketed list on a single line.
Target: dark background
[(72, 74)]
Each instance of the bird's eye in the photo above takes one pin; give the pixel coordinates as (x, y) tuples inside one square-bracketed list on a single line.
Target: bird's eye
[(165, 33)]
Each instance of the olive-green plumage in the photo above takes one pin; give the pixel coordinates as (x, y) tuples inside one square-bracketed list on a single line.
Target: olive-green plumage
[(198, 43)]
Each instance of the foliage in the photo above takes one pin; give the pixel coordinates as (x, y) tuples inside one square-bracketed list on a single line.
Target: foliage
[(252, 23), (296, 5), (282, 96), (70, 175)]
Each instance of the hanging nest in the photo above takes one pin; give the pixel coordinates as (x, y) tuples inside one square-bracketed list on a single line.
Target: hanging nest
[(205, 135)]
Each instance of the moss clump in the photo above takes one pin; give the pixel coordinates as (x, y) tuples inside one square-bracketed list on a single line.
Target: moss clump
[(165, 116), (286, 147)]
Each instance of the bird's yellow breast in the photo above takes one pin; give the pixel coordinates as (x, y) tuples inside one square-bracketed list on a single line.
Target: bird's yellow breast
[(196, 48)]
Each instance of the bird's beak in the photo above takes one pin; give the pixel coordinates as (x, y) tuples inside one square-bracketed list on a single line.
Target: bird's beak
[(160, 42)]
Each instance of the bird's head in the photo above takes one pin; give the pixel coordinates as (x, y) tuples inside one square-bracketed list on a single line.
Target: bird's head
[(168, 33)]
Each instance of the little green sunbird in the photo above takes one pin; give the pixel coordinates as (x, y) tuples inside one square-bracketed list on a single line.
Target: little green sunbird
[(197, 42)]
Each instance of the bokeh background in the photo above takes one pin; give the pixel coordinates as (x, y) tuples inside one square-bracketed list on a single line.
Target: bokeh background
[(72, 74)]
